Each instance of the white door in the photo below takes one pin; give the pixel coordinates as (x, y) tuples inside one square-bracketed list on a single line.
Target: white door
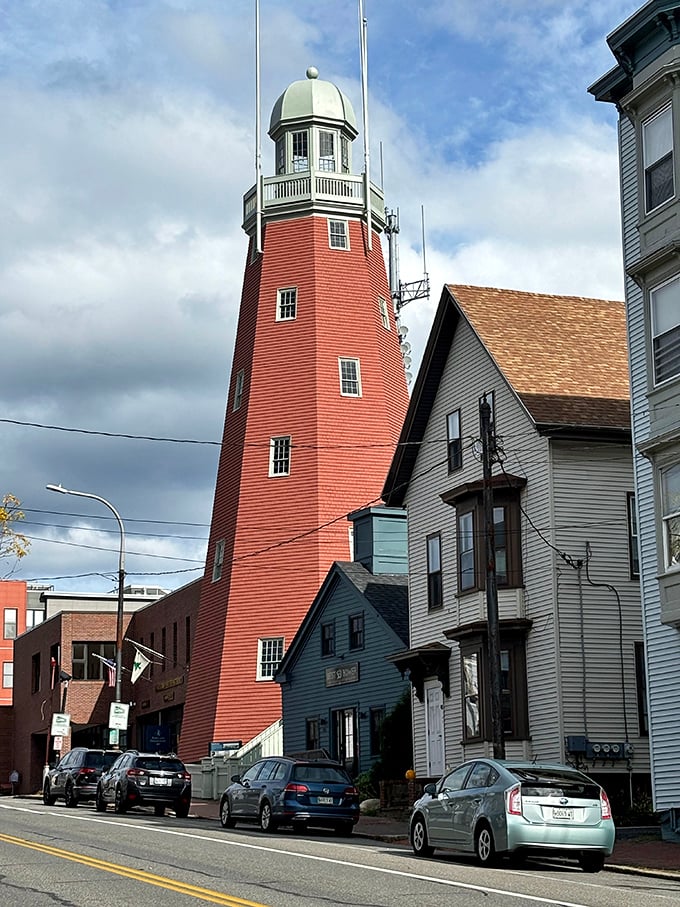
[(434, 730)]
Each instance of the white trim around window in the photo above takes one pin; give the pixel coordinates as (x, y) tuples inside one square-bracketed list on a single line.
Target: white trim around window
[(338, 233), (670, 503), (286, 304), (269, 655), (279, 456), (384, 313), (350, 377)]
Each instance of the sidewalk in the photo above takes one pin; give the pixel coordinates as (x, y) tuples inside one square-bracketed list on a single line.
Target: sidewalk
[(637, 851)]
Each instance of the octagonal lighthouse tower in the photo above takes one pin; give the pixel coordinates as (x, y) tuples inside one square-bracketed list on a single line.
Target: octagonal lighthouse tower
[(317, 398)]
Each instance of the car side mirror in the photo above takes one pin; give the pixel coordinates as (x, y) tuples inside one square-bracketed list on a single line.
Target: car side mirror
[(430, 789), (236, 779)]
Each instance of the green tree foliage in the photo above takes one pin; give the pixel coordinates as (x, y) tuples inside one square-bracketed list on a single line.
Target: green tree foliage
[(396, 743), (13, 544)]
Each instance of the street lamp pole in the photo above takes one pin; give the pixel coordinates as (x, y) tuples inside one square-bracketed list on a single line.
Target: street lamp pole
[(121, 577)]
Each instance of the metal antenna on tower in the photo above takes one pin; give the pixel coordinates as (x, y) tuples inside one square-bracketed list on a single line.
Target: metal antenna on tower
[(403, 293)]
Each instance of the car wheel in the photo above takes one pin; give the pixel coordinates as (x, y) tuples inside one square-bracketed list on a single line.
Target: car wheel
[(485, 849), (419, 841), (119, 805), (267, 822), (591, 862), (344, 828), (159, 810), (226, 818), (70, 798), (182, 810), (48, 799), (99, 802)]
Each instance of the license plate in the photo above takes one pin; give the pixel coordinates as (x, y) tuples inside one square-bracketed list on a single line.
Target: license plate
[(559, 813), (327, 800), (161, 782)]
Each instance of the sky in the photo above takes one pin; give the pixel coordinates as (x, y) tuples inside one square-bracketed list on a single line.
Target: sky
[(127, 145)]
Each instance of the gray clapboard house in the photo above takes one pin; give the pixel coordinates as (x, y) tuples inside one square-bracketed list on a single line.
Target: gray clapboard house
[(645, 86), (336, 684), (554, 370)]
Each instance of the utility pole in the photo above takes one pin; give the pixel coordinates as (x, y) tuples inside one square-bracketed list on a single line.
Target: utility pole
[(489, 456)]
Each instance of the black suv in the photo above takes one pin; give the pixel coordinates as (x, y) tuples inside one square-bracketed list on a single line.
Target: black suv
[(75, 777), (285, 790), (145, 779)]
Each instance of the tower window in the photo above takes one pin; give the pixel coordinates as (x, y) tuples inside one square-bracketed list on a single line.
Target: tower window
[(270, 653), (281, 155), (338, 234), (300, 151), (327, 151), (286, 308), (344, 152), (657, 152), (219, 560), (238, 389), (350, 378), (279, 456), (384, 313)]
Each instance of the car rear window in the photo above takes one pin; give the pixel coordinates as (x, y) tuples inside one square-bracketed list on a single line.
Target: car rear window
[(94, 760), (155, 764), (321, 774), (543, 782)]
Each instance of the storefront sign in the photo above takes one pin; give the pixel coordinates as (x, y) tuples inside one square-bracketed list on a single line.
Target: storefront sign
[(342, 674)]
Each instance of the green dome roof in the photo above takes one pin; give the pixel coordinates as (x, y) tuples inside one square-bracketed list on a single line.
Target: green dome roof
[(312, 99)]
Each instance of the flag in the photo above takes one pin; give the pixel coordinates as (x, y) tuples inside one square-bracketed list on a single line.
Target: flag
[(111, 668), (139, 665)]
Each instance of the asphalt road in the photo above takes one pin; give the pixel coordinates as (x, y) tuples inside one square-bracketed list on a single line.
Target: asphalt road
[(81, 858)]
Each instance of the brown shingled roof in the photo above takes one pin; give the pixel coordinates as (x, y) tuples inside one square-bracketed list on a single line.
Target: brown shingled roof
[(565, 356)]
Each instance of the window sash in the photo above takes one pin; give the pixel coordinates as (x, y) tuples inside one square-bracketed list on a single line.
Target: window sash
[(434, 572), (466, 551), (356, 631), (326, 151), (10, 623), (633, 540), (454, 440), (384, 313), (238, 389), (281, 155), (344, 153), (300, 152), (218, 561), (328, 639), (279, 456), (641, 681), (312, 735), (350, 377), (337, 234), (286, 309), (665, 317), (657, 152), (670, 498), (269, 657), (472, 723), (84, 664), (8, 675)]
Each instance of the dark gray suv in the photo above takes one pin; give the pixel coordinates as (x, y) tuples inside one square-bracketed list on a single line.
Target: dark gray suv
[(75, 777), (146, 779)]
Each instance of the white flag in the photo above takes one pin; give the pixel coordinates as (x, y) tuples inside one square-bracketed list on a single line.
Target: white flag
[(139, 665)]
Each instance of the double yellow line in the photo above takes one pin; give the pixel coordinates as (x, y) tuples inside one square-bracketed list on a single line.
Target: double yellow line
[(138, 875)]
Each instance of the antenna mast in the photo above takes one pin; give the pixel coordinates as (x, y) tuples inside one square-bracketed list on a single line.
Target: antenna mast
[(363, 27), (258, 136), (403, 293)]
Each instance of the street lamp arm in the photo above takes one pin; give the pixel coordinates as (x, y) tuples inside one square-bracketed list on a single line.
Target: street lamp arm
[(96, 497)]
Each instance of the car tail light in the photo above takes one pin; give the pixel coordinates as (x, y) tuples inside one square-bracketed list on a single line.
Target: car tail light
[(605, 806), (135, 772), (514, 800), (84, 775), (351, 792), (293, 788)]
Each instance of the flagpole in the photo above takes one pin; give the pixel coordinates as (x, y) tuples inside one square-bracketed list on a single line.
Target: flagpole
[(363, 53)]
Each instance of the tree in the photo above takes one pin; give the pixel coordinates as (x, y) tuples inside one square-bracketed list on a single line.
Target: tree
[(13, 544)]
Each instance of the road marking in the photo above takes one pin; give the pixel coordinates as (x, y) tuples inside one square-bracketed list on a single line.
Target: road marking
[(138, 875)]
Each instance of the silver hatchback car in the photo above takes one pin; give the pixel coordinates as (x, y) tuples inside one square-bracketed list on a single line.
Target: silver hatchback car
[(496, 808)]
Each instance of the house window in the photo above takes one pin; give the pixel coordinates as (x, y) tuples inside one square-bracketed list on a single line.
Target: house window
[(670, 499), (7, 675), (641, 678), (454, 441), (326, 151), (34, 616), (281, 155), (344, 153), (476, 690), (187, 640), (328, 638), (472, 547), (356, 631), (269, 655), (86, 659), (312, 735), (238, 389), (338, 236), (286, 306), (350, 377), (152, 645), (35, 673), (633, 541), (10, 623), (377, 716), (434, 572), (300, 152), (657, 153), (279, 456), (164, 641), (174, 643), (665, 317), (384, 313), (218, 561)]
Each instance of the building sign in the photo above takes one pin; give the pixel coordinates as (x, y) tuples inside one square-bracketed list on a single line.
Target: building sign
[(61, 725), (335, 677), (157, 738), (169, 684), (226, 746)]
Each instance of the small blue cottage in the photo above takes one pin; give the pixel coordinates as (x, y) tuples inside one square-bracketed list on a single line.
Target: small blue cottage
[(336, 684)]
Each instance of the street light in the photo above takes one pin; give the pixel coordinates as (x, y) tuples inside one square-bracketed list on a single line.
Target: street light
[(121, 577)]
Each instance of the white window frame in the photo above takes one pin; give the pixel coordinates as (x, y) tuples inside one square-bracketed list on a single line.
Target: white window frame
[(664, 326), (286, 300), (670, 516), (338, 239), (384, 313), (218, 561), (34, 616), (269, 655), (279, 456), (454, 440), (347, 381), (657, 148), (7, 675), (10, 625), (328, 163), (238, 389), (299, 162)]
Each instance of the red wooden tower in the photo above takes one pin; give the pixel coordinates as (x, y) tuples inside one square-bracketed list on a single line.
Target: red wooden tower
[(316, 402)]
